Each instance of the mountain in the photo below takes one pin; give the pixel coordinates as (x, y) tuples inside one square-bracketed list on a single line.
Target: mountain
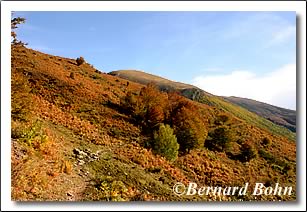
[(145, 78), (249, 114), (78, 134), (281, 116)]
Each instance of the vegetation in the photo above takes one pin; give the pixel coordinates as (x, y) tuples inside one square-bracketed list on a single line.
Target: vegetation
[(280, 116), (283, 117), (165, 142), (14, 25), (152, 107), (189, 129), (248, 152), (80, 61), (220, 139), (267, 141), (248, 116)]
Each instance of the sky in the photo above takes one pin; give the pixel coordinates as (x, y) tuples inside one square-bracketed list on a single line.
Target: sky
[(244, 54)]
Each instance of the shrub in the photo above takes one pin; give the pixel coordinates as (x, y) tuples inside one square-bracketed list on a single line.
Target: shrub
[(266, 141), (248, 152), (129, 102), (165, 142), (221, 138), (221, 119), (21, 102), (66, 167), (34, 135), (80, 61), (72, 75)]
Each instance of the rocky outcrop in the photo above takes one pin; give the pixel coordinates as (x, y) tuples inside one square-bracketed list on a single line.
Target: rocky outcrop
[(85, 156)]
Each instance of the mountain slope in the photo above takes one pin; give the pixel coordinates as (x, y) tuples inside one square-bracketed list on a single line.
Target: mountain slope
[(73, 140), (199, 95), (145, 78), (277, 115)]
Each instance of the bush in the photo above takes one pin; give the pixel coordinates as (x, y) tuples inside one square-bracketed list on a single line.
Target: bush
[(221, 138), (129, 102), (66, 167), (266, 142), (248, 152), (21, 101), (72, 75), (221, 119), (165, 143), (80, 61)]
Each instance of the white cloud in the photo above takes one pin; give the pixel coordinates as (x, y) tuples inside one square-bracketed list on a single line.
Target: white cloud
[(276, 88), (282, 35)]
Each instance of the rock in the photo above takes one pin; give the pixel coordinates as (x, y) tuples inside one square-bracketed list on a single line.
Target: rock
[(69, 194), (80, 156), (81, 162), (76, 151)]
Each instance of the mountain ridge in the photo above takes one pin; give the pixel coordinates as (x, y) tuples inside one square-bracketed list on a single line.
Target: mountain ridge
[(278, 115)]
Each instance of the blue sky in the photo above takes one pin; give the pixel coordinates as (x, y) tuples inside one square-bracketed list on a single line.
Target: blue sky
[(246, 54)]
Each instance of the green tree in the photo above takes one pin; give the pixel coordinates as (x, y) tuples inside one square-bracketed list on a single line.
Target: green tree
[(220, 139), (14, 25), (165, 142)]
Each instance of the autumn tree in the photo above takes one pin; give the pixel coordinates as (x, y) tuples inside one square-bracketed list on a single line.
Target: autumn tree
[(187, 122), (189, 129), (150, 106)]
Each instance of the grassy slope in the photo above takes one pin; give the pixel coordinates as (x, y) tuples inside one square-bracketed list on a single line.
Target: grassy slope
[(145, 78), (280, 116), (249, 117), (79, 108)]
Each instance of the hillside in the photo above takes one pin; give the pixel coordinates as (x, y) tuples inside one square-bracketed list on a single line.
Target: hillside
[(280, 116), (82, 135), (145, 78), (248, 114)]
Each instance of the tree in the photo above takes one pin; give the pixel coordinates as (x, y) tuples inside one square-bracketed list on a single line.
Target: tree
[(165, 142), (14, 25), (151, 106), (80, 61), (221, 137), (189, 129)]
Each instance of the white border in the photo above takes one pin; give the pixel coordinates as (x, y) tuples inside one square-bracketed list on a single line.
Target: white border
[(7, 7)]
